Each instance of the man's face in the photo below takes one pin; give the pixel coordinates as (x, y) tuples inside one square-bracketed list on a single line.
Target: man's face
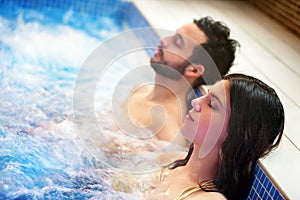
[(174, 51)]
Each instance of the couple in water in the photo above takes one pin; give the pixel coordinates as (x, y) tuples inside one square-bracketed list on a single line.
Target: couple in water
[(227, 128)]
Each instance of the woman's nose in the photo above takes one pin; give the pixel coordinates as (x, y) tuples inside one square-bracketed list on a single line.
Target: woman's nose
[(196, 104)]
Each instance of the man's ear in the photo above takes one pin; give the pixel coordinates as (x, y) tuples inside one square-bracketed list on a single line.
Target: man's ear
[(194, 70)]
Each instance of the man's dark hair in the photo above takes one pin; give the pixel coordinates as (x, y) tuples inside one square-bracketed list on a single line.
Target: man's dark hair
[(220, 48)]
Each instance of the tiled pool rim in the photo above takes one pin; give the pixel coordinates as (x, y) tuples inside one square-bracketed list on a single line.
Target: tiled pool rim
[(263, 187)]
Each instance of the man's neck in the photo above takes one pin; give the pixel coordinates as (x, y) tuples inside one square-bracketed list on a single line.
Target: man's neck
[(165, 88)]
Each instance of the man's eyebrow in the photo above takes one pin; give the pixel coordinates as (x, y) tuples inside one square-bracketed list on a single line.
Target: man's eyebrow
[(216, 97)]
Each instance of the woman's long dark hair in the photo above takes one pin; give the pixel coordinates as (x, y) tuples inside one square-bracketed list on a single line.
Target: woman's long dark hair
[(255, 128)]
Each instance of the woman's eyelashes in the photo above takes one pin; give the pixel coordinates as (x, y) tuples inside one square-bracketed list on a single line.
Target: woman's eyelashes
[(212, 105)]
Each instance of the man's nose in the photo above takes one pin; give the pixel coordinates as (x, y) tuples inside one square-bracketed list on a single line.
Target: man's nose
[(164, 42)]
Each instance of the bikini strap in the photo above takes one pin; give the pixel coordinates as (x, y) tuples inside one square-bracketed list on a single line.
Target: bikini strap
[(188, 191)]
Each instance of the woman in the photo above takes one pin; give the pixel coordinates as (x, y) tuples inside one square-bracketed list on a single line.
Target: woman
[(240, 120)]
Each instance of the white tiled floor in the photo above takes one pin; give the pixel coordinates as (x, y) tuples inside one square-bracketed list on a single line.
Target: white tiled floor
[(268, 51)]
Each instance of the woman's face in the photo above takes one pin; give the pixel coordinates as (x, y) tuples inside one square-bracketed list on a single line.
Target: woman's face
[(206, 124)]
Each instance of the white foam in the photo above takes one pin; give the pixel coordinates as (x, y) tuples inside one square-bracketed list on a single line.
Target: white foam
[(56, 45)]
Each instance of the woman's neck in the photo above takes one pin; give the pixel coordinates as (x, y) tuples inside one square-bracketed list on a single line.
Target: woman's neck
[(199, 169)]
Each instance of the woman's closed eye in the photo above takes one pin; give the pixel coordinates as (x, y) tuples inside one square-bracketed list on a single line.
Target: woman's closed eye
[(212, 105), (215, 102)]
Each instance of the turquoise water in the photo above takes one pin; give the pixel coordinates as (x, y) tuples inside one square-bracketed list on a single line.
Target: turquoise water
[(41, 156)]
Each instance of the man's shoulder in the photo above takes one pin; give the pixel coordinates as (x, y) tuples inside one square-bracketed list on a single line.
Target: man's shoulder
[(143, 89)]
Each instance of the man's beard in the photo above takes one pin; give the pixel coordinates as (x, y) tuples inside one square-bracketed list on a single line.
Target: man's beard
[(173, 73)]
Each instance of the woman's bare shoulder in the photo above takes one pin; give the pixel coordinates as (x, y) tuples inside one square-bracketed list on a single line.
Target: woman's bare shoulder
[(207, 196)]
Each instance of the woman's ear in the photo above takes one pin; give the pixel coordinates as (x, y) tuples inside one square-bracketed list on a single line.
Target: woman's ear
[(194, 70)]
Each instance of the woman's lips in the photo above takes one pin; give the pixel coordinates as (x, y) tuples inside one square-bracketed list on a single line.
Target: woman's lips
[(188, 116)]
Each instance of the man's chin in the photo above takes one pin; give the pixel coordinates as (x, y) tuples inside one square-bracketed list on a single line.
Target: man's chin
[(165, 71), (155, 65)]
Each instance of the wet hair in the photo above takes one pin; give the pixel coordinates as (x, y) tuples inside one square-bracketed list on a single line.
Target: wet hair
[(255, 128), (220, 48)]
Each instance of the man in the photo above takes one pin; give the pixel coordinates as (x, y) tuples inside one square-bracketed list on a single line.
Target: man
[(181, 62)]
